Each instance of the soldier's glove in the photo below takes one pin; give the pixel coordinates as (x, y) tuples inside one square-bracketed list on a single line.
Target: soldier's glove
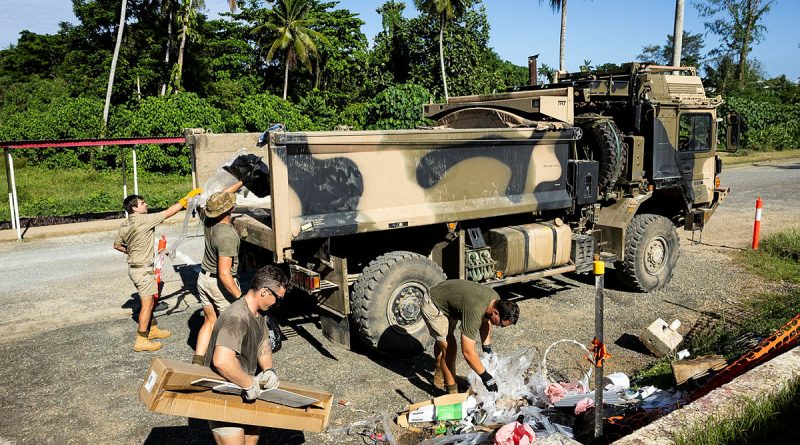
[(185, 200), (489, 382), (487, 349), (251, 394), (268, 379)]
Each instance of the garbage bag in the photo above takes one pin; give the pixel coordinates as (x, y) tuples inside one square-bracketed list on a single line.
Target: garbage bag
[(252, 171)]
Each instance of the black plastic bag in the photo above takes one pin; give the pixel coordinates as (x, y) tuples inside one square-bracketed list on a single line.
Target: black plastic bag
[(252, 171)]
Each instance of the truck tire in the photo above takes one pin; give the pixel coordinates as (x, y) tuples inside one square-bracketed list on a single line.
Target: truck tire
[(604, 141), (651, 252), (386, 302)]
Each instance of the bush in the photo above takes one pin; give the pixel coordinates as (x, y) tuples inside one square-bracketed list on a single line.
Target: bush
[(169, 116), (261, 111), (399, 107), (769, 124), (64, 118), (354, 116)]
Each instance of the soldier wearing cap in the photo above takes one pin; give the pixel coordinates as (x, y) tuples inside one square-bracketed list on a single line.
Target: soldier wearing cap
[(135, 238), (217, 285)]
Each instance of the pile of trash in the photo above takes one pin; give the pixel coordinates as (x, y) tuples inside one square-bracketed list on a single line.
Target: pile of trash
[(529, 405)]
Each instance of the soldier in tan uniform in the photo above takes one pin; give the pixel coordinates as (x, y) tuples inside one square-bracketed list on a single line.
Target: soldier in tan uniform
[(136, 238), (217, 285)]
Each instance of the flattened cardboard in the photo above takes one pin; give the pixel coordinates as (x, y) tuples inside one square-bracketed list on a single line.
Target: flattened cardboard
[(167, 389)]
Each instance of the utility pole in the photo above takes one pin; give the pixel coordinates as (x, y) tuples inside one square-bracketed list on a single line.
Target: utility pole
[(677, 35)]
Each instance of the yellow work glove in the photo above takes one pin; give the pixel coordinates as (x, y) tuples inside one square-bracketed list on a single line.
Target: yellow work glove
[(185, 200)]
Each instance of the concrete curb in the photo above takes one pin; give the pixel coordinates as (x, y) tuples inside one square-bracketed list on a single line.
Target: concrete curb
[(723, 403), (105, 225)]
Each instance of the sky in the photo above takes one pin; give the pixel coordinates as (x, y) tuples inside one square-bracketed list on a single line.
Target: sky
[(598, 30)]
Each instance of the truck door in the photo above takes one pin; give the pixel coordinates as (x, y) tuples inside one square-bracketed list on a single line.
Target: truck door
[(696, 155)]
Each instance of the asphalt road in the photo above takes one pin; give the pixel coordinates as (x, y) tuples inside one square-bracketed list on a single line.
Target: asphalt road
[(66, 328)]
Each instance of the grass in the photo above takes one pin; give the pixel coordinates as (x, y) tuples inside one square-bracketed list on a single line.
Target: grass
[(744, 157), (44, 192), (769, 420)]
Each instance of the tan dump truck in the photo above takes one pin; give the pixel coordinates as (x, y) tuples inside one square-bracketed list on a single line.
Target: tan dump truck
[(503, 189)]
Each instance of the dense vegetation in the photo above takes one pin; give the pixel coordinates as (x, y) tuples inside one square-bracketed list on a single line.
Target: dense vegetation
[(178, 69)]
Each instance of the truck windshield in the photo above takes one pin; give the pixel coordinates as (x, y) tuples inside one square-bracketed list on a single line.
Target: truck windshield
[(695, 132)]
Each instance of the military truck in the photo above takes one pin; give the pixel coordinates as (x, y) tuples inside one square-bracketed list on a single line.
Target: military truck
[(504, 188)]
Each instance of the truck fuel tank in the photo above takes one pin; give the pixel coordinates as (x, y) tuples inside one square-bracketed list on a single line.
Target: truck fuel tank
[(530, 247)]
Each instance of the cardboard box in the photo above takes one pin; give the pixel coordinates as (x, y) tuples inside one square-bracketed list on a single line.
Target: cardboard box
[(445, 407), (167, 389)]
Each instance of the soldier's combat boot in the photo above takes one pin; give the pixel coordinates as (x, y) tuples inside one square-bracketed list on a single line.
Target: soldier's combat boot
[(156, 333), (438, 378), (144, 344)]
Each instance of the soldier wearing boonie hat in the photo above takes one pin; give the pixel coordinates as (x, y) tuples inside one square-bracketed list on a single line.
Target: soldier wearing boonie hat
[(217, 285)]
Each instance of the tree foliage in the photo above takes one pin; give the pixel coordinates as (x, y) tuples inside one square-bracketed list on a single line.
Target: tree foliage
[(738, 25), (662, 54), (233, 72)]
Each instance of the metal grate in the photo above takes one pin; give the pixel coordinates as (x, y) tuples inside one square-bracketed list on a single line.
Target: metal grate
[(685, 88)]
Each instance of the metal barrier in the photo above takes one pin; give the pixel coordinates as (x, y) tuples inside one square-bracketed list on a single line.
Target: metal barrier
[(16, 145)]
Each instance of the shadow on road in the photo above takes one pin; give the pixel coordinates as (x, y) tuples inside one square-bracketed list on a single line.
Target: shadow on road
[(198, 432)]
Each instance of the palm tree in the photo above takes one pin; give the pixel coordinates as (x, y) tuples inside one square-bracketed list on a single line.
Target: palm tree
[(188, 17), (167, 9), (114, 59), (562, 6), (446, 10), (292, 35)]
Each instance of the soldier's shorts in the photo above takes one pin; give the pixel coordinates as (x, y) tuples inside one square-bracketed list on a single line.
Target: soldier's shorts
[(227, 429), (144, 279), (439, 325), (213, 293)]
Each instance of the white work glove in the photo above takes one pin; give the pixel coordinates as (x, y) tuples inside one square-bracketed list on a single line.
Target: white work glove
[(251, 394), (268, 379)]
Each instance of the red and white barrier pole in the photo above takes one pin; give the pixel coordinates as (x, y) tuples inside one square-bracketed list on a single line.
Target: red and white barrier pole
[(159, 263), (757, 223)]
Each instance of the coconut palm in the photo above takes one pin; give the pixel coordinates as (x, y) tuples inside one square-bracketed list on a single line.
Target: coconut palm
[(293, 37), (112, 72), (446, 10), (188, 17), (560, 5)]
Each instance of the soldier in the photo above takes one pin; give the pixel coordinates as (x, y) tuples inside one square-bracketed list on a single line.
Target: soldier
[(217, 285), (477, 307), (240, 345), (135, 238)]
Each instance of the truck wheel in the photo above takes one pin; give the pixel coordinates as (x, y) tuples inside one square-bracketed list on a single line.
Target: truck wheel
[(651, 252), (603, 139), (387, 299)]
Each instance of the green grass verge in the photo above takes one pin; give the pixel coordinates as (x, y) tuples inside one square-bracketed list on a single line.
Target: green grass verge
[(44, 192), (768, 421), (745, 157)]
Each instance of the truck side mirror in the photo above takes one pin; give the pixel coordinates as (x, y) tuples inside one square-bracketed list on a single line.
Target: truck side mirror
[(734, 132)]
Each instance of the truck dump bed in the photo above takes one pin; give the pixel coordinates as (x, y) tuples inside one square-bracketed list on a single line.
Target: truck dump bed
[(335, 183)]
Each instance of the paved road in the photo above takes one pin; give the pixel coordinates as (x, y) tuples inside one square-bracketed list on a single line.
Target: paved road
[(66, 328)]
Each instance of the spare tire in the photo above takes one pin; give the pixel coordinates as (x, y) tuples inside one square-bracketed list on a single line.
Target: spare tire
[(602, 142)]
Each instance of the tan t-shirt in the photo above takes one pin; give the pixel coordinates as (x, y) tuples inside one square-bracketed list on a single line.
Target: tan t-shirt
[(137, 234), (221, 240), (466, 301), (241, 331)]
